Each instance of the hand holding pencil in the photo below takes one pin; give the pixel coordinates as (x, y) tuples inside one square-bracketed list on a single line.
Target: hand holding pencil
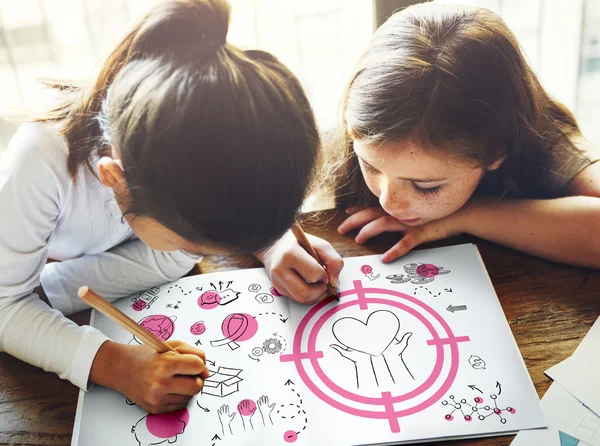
[(158, 376), (303, 274)]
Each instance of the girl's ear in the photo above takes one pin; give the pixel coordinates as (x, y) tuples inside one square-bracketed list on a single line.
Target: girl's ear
[(111, 174), (496, 164)]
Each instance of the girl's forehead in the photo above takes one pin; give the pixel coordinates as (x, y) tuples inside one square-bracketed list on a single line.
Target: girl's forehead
[(405, 155)]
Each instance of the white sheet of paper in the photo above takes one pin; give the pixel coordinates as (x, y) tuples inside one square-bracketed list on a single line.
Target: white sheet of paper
[(580, 374), (414, 350), (566, 414)]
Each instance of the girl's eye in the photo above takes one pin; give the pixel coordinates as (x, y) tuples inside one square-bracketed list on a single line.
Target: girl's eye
[(426, 190), (369, 168)]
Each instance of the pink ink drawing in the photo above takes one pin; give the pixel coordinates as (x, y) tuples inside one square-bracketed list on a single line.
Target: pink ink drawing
[(247, 409), (209, 300), (158, 325), (237, 327), (368, 272), (144, 299), (274, 292), (444, 345), (217, 296), (198, 328), (157, 429), (418, 274), (468, 410)]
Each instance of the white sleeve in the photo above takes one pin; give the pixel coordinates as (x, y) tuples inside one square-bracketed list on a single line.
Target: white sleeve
[(29, 198), (119, 272)]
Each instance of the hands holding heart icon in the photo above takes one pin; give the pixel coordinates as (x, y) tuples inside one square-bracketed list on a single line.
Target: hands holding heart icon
[(366, 345)]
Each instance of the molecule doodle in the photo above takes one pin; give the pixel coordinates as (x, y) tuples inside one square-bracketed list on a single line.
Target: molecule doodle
[(482, 412)]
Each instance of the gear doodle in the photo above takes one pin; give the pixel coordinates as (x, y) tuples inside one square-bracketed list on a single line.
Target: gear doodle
[(272, 346), (257, 351)]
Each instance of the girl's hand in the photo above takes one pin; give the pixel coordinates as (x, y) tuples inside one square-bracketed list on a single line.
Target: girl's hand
[(294, 273), (157, 382), (374, 221)]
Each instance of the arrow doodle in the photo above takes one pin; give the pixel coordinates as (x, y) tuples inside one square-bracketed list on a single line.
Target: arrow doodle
[(281, 318), (198, 342), (453, 308), (289, 383), (475, 388), (499, 386), (428, 290), (205, 409)]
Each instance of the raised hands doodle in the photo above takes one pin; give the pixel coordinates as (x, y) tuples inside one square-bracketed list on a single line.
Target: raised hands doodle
[(225, 418), (247, 408), (265, 409)]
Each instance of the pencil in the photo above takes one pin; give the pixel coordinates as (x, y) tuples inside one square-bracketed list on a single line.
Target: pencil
[(104, 307), (305, 244)]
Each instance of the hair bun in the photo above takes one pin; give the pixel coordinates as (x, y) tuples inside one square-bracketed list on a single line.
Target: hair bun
[(175, 24)]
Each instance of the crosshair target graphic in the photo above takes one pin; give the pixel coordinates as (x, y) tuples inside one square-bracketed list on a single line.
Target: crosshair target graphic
[(387, 405)]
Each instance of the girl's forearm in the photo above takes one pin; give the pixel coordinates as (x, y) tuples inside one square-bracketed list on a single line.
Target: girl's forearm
[(565, 230)]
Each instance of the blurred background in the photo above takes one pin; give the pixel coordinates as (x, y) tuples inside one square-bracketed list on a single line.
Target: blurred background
[(320, 40)]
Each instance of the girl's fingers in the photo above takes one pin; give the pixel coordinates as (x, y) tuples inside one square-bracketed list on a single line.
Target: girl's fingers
[(360, 219), (299, 290), (376, 227), (188, 349), (186, 364), (409, 241), (185, 386), (330, 257), (307, 267)]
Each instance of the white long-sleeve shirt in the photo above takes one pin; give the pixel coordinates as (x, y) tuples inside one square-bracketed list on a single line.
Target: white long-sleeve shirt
[(45, 215)]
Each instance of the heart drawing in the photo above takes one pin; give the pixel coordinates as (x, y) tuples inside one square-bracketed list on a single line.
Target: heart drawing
[(372, 337)]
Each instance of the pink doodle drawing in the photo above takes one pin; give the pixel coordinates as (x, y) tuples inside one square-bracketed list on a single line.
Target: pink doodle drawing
[(368, 272), (388, 406), (247, 409), (418, 273), (198, 328), (237, 327), (144, 299), (157, 429), (290, 436), (217, 296), (158, 325), (293, 412), (468, 410)]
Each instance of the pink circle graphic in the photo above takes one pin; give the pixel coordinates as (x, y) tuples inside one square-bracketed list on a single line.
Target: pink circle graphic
[(168, 425), (366, 269), (239, 326), (198, 328), (139, 305), (427, 270), (274, 292), (448, 417), (511, 410), (478, 400), (159, 325), (290, 436), (209, 300), (386, 402), (246, 407), (468, 418)]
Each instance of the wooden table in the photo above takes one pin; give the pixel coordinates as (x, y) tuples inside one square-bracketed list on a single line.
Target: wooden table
[(550, 308)]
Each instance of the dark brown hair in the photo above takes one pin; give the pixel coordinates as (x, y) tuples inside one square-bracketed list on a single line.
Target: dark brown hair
[(218, 144), (454, 80)]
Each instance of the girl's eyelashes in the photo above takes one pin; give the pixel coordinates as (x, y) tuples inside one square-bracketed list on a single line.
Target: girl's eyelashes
[(426, 190), (368, 167)]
